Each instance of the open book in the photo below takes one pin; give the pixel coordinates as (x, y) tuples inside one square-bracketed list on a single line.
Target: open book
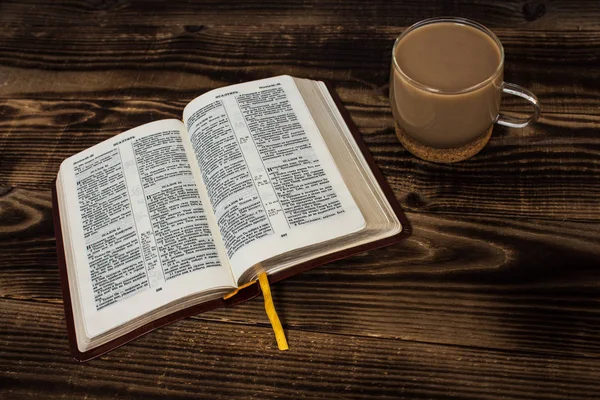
[(166, 219)]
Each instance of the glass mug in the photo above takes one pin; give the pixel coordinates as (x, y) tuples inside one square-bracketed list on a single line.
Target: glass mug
[(442, 119)]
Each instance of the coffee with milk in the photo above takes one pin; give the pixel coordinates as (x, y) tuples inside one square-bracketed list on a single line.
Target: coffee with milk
[(445, 90)]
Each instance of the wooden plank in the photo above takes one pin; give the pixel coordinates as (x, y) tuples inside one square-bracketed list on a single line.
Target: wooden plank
[(560, 14), (487, 282), (170, 63), (195, 358), (552, 165)]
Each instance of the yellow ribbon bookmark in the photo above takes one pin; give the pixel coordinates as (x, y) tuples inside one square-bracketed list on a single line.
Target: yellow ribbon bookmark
[(271, 313)]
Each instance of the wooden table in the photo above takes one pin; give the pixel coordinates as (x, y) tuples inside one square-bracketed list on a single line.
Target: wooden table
[(497, 293)]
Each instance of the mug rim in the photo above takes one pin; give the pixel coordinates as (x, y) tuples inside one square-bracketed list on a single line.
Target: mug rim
[(461, 21)]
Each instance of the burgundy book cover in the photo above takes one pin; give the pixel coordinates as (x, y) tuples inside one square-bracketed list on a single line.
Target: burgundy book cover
[(244, 294)]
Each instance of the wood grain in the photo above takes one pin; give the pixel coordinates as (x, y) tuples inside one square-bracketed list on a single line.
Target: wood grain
[(159, 63), (496, 294), (527, 285), (522, 14), (215, 360), (542, 163)]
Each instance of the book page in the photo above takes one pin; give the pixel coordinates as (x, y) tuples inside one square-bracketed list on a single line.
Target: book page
[(140, 234), (271, 181)]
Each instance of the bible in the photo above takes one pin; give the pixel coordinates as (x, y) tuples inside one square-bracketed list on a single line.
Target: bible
[(173, 217)]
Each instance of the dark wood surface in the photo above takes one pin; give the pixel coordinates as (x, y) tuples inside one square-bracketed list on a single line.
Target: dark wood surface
[(495, 296)]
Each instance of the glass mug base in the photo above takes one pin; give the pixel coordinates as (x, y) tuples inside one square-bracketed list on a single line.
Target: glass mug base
[(444, 155)]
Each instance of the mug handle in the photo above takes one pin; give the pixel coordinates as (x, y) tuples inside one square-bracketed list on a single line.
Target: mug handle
[(517, 122)]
